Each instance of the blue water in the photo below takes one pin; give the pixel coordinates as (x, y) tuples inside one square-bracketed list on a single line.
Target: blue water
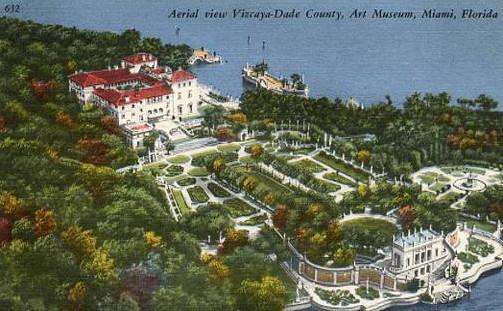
[(486, 295), (366, 59)]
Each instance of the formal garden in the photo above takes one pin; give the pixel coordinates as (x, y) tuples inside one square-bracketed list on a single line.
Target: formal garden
[(479, 247), (341, 297), (306, 192)]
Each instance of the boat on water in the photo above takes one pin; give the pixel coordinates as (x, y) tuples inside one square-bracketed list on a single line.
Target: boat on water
[(259, 77)]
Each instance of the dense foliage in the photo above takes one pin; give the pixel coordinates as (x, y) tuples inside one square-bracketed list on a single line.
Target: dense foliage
[(427, 130), (486, 204), (74, 234)]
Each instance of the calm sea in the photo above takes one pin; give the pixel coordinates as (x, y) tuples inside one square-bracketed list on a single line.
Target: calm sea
[(366, 59)]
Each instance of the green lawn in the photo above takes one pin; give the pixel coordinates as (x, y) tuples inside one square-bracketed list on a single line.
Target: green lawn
[(155, 169), (366, 234), (342, 167), (246, 159), (186, 181), (270, 183), (174, 170), (431, 177), (179, 159), (339, 178), (198, 172), (331, 187), (308, 166), (197, 194), (237, 207), (371, 224), (478, 224), (184, 209), (255, 220), (449, 196), (205, 153), (217, 191), (474, 170), (436, 186), (229, 147)]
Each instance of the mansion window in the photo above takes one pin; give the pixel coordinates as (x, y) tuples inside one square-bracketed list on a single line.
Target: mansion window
[(428, 255), (190, 83), (190, 94), (416, 261), (179, 95)]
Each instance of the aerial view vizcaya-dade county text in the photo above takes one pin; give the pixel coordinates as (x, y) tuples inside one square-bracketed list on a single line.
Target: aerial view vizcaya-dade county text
[(290, 155)]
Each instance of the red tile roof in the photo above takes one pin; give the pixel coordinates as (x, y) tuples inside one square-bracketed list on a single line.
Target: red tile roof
[(118, 98), (181, 75), (103, 77), (139, 58), (158, 70), (139, 127)]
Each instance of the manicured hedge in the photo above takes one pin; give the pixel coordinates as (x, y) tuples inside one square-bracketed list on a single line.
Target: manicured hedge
[(197, 194), (217, 191)]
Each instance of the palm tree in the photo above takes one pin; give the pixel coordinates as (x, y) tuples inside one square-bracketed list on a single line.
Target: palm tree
[(296, 78), (261, 68)]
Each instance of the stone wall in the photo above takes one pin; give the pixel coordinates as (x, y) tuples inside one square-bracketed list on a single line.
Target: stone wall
[(354, 274)]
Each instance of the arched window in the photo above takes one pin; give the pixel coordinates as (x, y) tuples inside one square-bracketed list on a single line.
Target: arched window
[(150, 112)]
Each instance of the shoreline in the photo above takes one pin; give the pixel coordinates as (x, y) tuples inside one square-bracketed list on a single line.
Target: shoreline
[(482, 271)]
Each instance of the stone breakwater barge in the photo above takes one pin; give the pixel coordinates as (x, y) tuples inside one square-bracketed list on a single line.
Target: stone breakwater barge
[(260, 78), (203, 56)]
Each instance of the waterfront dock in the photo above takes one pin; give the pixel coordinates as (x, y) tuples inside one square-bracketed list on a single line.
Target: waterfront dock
[(204, 56)]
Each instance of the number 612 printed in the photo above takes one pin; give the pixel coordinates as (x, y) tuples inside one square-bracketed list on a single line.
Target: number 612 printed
[(12, 8)]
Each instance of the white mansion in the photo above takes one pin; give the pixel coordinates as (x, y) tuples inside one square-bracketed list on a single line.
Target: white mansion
[(139, 92), (418, 254)]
